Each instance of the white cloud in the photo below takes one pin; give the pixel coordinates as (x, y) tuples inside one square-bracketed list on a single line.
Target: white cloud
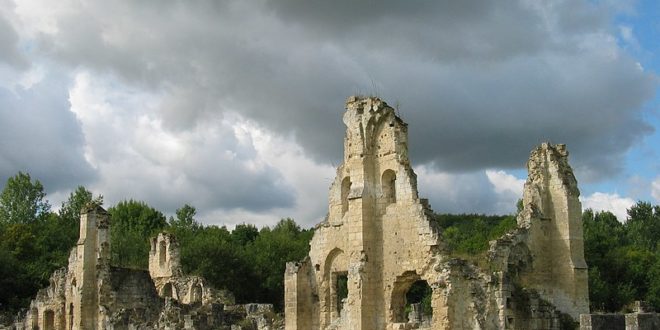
[(614, 203), (628, 36), (210, 167), (504, 182), (655, 189), (473, 192)]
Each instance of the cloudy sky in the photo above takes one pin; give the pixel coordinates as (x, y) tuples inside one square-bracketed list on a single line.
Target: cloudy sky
[(235, 106)]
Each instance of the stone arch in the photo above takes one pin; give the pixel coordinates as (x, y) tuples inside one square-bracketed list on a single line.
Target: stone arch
[(401, 293), (168, 291), (49, 320), (162, 252), (335, 274), (345, 191), (196, 293), (388, 186)]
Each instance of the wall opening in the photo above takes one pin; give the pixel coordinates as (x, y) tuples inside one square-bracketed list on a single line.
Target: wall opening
[(49, 320), (196, 293), (162, 253), (35, 318), (411, 300), (335, 287), (62, 317), (418, 302), (388, 186), (70, 316), (341, 289), (345, 190), (167, 291)]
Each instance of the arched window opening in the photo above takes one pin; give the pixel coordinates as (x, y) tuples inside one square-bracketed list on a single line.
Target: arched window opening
[(162, 253), (335, 290), (49, 320), (345, 190), (418, 302), (388, 184), (196, 293), (35, 318), (167, 291), (411, 300)]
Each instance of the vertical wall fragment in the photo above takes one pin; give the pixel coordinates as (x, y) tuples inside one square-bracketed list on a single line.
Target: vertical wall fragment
[(553, 215)]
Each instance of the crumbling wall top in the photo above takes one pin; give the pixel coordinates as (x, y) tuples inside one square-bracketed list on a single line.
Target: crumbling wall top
[(547, 161), (373, 129)]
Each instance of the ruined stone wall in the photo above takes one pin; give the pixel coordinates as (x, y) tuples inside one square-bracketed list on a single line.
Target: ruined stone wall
[(377, 230), (90, 294), (378, 234), (169, 280), (553, 214)]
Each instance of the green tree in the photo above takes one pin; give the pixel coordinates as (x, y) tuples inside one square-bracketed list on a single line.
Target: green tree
[(644, 225), (244, 234), (270, 252), (185, 218), (22, 200), (132, 224)]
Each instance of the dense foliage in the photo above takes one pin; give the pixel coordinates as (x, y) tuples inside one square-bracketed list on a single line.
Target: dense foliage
[(469, 234), (623, 257), (247, 261), (132, 223)]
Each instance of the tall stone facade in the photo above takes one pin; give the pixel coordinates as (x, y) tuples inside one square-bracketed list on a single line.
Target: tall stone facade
[(378, 238)]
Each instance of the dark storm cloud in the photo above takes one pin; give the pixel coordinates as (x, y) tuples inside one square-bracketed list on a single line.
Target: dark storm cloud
[(9, 53), (480, 82), (39, 135)]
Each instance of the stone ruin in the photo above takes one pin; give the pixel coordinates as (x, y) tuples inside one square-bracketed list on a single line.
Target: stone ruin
[(91, 294), (378, 240)]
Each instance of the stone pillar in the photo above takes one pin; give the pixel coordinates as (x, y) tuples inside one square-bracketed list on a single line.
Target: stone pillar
[(92, 253)]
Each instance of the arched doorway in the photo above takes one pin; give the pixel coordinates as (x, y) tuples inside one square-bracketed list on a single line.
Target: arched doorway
[(49, 320), (196, 293), (335, 274), (411, 300), (418, 302), (167, 291)]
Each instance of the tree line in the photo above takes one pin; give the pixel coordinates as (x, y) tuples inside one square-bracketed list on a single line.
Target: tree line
[(623, 257)]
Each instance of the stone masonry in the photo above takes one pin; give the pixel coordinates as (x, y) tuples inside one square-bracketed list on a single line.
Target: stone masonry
[(379, 238), (91, 294)]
